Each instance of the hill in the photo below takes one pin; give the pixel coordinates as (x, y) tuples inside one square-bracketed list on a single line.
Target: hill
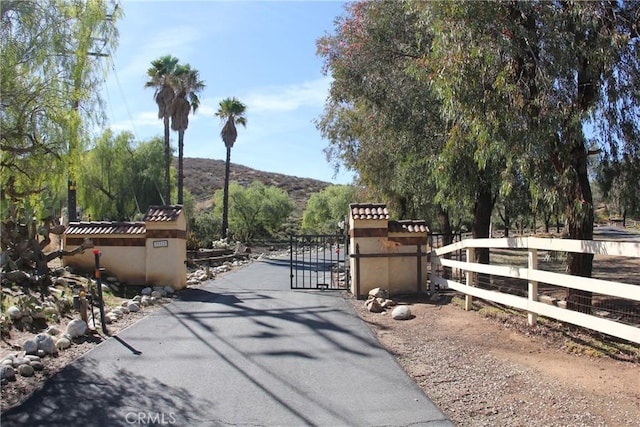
[(202, 177)]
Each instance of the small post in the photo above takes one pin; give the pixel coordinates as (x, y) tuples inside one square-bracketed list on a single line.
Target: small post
[(82, 307), (532, 317), (96, 253), (468, 299)]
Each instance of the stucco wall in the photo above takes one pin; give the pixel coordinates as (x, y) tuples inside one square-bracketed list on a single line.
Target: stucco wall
[(397, 274), (127, 263)]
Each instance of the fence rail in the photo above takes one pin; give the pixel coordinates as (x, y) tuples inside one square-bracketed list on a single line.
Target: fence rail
[(532, 302)]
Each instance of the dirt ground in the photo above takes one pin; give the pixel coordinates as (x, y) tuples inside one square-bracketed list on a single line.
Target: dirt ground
[(494, 370)]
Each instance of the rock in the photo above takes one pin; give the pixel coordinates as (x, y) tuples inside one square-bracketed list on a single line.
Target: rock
[(63, 343), (32, 358), (401, 312), (379, 293), (30, 347), (17, 361), (146, 291), (76, 328), (14, 312), (46, 343), (168, 290), (388, 303), (26, 320), (37, 365), (38, 312), (137, 298), (26, 370), (156, 294), (133, 307), (7, 362), (7, 372), (50, 310), (146, 300), (52, 330), (373, 305)]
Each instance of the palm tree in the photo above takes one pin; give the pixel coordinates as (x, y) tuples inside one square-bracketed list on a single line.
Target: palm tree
[(187, 85), (231, 111), (161, 75)]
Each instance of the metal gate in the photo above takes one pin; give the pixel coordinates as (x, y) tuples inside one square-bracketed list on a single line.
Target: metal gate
[(319, 261)]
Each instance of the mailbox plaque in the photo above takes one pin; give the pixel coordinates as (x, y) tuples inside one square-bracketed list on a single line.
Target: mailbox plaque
[(160, 243)]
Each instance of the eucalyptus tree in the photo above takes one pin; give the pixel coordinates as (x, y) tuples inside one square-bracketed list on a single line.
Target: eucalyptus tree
[(381, 120), (231, 112), (187, 85), (538, 75), (161, 75)]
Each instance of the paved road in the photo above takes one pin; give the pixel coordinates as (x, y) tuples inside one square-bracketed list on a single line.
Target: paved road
[(241, 350)]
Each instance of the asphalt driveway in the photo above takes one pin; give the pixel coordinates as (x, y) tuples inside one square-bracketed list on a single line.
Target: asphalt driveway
[(242, 349)]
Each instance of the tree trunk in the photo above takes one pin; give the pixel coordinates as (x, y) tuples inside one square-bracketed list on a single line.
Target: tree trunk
[(480, 227), (167, 162), (225, 196), (579, 226), (180, 166), (447, 235)]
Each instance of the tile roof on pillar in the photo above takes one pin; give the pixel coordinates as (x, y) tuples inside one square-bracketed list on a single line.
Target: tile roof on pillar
[(163, 213), (369, 211), (105, 227), (408, 226)]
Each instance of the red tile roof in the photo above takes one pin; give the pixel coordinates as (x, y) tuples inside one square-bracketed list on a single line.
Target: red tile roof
[(105, 227), (369, 211), (163, 213), (408, 226)]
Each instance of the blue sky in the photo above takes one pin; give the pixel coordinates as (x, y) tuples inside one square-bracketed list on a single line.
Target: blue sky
[(262, 52)]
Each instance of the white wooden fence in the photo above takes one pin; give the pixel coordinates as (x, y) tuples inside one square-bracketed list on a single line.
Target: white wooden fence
[(533, 275)]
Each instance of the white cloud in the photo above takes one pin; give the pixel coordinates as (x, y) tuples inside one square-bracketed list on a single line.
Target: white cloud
[(141, 120), (288, 98)]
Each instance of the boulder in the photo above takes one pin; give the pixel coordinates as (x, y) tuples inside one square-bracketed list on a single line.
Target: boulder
[(52, 330), (76, 328), (373, 305), (133, 306), (63, 343), (7, 372), (379, 293), (26, 370), (46, 343), (401, 312), (14, 312), (30, 347)]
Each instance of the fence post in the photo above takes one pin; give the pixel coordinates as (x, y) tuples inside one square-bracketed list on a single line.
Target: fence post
[(532, 285), (468, 299), (432, 273), (419, 273), (357, 256)]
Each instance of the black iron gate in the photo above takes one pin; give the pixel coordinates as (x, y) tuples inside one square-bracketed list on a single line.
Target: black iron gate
[(319, 261)]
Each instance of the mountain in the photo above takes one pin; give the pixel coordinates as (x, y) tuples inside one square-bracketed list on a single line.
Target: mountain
[(202, 177)]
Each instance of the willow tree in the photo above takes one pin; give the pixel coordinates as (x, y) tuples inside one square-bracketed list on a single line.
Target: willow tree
[(187, 85), (231, 112), (49, 90)]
